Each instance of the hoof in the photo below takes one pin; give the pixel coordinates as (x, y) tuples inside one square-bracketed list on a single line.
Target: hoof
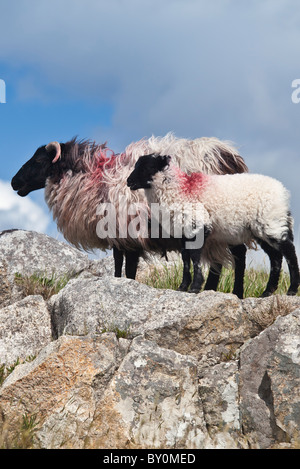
[(265, 294), (292, 293), (239, 295), (194, 290), (184, 288)]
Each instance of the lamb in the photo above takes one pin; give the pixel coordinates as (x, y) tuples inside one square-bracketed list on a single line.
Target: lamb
[(232, 209), (78, 176)]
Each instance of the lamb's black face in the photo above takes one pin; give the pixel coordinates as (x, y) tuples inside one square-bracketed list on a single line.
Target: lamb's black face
[(145, 168), (33, 174)]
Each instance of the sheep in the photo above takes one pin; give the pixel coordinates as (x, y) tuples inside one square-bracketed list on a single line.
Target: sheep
[(78, 176), (232, 210)]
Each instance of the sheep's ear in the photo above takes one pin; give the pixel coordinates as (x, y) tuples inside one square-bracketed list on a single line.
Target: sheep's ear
[(163, 160)]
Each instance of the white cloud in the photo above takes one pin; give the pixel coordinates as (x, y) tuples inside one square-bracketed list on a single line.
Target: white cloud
[(195, 67), (18, 212)]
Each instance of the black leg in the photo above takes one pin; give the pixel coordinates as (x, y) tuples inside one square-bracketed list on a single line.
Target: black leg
[(186, 279), (118, 258), (132, 260), (198, 277), (288, 250), (275, 267), (239, 254), (213, 278), (195, 256)]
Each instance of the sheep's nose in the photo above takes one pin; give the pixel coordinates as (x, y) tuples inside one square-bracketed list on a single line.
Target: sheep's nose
[(14, 183)]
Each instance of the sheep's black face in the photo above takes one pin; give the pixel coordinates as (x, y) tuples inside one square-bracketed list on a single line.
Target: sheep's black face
[(145, 168), (33, 174)]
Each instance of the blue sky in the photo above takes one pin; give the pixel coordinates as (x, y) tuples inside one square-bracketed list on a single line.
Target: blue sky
[(119, 70)]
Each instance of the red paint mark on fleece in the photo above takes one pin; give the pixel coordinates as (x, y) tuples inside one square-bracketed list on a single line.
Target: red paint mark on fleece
[(105, 159), (193, 183)]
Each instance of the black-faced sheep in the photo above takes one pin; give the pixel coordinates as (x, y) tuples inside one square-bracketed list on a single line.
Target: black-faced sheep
[(79, 176), (226, 209)]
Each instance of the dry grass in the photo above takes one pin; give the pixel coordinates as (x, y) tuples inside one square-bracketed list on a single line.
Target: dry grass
[(22, 436)]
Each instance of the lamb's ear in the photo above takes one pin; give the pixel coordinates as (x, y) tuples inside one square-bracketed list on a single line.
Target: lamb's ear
[(163, 161)]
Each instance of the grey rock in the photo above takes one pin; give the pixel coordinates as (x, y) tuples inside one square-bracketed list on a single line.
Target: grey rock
[(62, 387), (122, 365), (25, 328), (270, 383), (152, 402), (207, 326), (28, 253), (218, 391)]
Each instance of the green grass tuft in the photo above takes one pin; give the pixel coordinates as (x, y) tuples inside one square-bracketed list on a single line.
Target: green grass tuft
[(255, 281), (40, 284)]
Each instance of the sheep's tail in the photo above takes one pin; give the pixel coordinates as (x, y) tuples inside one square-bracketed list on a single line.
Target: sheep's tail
[(228, 161), (219, 157), (290, 224)]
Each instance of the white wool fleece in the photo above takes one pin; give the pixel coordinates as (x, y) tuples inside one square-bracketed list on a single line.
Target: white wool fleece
[(237, 207)]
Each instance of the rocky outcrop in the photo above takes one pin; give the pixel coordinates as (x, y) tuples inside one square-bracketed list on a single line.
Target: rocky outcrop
[(113, 363), (27, 253), (25, 328), (270, 383)]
